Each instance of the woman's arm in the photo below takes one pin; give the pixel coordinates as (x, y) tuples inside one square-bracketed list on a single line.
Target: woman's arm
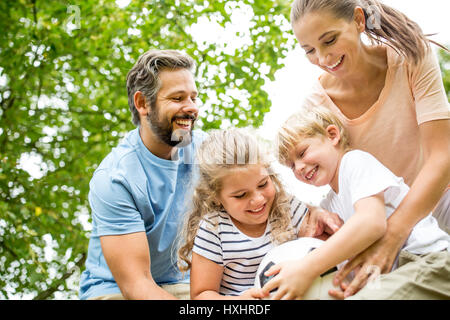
[(366, 225), (423, 196)]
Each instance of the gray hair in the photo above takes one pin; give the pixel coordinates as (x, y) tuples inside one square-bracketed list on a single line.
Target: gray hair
[(144, 76)]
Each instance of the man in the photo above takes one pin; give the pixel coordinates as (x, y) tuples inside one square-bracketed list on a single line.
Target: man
[(137, 194)]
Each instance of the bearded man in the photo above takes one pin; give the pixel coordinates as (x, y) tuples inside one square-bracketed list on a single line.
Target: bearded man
[(138, 193)]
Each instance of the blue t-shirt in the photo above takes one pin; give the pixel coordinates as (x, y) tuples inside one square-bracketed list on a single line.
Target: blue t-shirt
[(133, 191)]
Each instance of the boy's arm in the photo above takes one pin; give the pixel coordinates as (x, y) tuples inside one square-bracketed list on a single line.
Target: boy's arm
[(367, 225)]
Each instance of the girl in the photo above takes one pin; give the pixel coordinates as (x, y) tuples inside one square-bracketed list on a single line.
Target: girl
[(390, 98), (240, 211)]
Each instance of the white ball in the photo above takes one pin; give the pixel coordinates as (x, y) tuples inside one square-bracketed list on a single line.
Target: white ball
[(294, 250)]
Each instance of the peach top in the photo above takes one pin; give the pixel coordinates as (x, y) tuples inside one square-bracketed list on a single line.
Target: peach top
[(389, 129)]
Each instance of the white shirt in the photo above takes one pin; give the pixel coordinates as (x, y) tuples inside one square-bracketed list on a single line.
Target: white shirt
[(361, 175), (239, 254)]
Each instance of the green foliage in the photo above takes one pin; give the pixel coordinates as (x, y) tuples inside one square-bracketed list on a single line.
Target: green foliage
[(444, 62), (63, 104)]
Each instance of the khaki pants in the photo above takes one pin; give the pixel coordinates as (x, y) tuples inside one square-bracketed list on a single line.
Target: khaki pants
[(179, 290), (417, 277)]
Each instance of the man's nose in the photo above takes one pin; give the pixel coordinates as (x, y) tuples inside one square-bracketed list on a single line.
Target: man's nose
[(191, 106)]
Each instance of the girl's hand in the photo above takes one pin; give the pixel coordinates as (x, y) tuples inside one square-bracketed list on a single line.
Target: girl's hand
[(252, 294), (291, 282)]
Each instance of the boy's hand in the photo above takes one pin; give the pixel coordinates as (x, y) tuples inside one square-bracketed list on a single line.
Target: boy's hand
[(319, 223), (291, 282)]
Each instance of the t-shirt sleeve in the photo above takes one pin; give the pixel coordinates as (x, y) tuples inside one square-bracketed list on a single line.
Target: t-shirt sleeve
[(113, 209), (428, 90), (298, 212), (364, 176), (207, 242)]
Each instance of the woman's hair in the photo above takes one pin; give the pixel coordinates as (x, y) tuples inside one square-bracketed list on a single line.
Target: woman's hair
[(219, 156), (144, 76), (307, 123), (384, 25)]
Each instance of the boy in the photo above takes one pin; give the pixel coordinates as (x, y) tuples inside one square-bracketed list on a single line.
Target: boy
[(314, 144)]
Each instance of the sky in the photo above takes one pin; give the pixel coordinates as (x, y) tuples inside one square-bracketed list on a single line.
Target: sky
[(293, 82)]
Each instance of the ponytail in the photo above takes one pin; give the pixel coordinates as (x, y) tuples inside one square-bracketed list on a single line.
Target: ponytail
[(384, 24)]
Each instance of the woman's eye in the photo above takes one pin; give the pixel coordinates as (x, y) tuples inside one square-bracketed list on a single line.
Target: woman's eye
[(330, 41), (176, 98), (310, 51)]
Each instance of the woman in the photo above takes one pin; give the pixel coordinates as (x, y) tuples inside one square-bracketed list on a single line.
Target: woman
[(390, 97)]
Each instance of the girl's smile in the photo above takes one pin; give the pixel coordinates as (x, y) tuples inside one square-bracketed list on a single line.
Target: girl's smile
[(247, 196)]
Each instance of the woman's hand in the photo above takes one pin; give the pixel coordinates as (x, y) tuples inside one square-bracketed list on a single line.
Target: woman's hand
[(319, 223), (370, 263)]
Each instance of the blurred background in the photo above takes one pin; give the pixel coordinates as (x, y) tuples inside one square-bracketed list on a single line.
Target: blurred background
[(63, 106)]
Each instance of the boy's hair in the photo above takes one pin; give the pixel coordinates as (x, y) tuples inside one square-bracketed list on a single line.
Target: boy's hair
[(144, 76), (225, 152), (307, 123)]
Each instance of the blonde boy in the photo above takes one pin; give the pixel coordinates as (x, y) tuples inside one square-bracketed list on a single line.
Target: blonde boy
[(364, 193)]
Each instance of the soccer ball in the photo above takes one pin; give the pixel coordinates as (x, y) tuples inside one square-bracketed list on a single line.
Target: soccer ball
[(293, 250)]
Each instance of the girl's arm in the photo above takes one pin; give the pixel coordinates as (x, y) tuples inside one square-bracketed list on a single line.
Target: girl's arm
[(206, 277), (366, 226), (422, 197)]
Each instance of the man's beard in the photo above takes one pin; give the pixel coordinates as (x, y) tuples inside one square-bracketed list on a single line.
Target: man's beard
[(164, 129)]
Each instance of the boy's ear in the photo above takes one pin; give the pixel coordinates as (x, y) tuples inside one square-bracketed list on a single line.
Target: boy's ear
[(333, 134)]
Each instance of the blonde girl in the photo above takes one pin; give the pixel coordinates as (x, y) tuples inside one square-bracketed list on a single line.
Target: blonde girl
[(240, 211), (388, 93)]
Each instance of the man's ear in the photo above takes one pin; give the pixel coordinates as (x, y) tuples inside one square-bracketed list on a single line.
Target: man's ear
[(141, 104), (333, 134)]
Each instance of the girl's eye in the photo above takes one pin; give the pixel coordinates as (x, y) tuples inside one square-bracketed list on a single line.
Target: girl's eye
[(264, 184), (239, 196)]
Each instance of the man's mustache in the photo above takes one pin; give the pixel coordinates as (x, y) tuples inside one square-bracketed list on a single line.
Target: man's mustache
[(185, 117)]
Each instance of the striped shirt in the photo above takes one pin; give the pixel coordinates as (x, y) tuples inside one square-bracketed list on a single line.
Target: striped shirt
[(239, 254)]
